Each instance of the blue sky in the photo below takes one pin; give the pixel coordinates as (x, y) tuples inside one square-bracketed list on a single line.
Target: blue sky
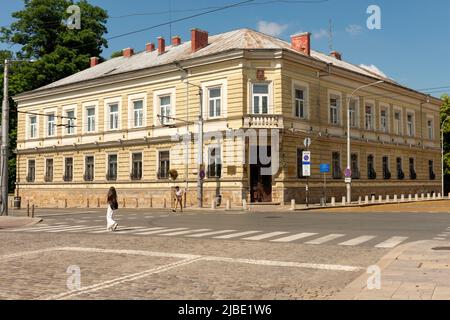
[(412, 47)]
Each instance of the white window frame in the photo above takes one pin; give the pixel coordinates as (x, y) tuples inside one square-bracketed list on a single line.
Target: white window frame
[(29, 126), (67, 109), (111, 153), (335, 94), (411, 132), (370, 104), (430, 133), (48, 112), (398, 129), (131, 99), (269, 97), (299, 85), (356, 112), (223, 85), (157, 94), (131, 152), (384, 107), (87, 105), (207, 156), (158, 151)]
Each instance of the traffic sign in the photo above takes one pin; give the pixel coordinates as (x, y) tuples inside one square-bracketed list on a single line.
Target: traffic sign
[(348, 173), (306, 163), (348, 180), (202, 174), (324, 168)]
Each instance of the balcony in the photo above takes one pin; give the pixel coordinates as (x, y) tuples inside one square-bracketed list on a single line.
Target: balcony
[(263, 121)]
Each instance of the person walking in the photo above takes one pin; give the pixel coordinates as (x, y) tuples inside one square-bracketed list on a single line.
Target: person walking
[(178, 199), (113, 205)]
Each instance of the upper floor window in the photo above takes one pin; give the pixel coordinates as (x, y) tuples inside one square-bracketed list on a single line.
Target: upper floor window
[(51, 125), (113, 113), (430, 129), (384, 120), (300, 110), (214, 163), (369, 118), (33, 127), (164, 107), (260, 98), (353, 109), (334, 109), (214, 99), (70, 121), (138, 113), (31, 176), (410, 124), (398, 122), (90, 117)]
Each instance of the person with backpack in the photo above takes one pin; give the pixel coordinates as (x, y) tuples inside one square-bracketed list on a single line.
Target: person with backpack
[(113, 205)]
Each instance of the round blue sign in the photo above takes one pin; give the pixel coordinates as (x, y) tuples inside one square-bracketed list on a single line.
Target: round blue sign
[(202, 174)]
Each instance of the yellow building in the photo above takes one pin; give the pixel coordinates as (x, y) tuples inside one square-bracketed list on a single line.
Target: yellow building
[(125, 122)]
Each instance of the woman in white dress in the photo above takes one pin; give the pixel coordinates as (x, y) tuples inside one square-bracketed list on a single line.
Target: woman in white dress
[(113, 205)]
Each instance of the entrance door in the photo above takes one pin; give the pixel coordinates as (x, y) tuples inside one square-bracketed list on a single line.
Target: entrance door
[(260, 184)]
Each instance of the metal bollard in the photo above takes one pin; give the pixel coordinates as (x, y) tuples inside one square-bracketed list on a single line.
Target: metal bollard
[(428, 196), (422, 196), (165, 203), (360, 200), (343, 201), (395, 198), (366, 199), (388, 199), (402, 198), (333, 201), (380, 199), (293, 205), (416, 197), (213, 204), (439, 196), (151, 202), (228, 205), (32, 211), (434, 196), (410, 197), (244, 204), (28, 208)]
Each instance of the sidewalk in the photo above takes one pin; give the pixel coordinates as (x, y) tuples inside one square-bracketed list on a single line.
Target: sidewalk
[(415, 271), (14, 222)]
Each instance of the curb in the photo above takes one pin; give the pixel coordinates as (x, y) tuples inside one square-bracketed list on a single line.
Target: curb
[(20, 222)]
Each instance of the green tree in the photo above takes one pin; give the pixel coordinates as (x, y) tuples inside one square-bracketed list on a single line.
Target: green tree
[(56, 50), (445, 125)]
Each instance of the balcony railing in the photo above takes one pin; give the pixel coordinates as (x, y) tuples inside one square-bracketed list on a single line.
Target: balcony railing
[(263, 121)]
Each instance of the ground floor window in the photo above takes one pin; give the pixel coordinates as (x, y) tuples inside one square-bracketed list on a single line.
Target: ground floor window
[(371, 174), (68, 169), (412, 170), (400, 173), (336, 165), (431, 170), (136, 166), (31, 176), (386, 172), (214, 163), (355, 167), (163, 164), (48, 170), (112, 167), (89, 168)]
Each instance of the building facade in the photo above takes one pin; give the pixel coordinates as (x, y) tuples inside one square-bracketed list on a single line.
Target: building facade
[(132, 121)]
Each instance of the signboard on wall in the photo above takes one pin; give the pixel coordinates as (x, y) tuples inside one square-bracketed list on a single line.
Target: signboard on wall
[(306, 163)]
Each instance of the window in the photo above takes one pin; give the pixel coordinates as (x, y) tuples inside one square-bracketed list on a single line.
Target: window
[(431, 170), (410, 125), (33, 127), (334, 109), (112, 167), (214, 95), (48, 170), (371, 174), (70, 125), (164, 165), (136, 166), (51, 125), (164, 105), (113, 110), (90, 115), (430, 129), (299, 106), (384, 120), (386, 172), (89, 168), (400, 174), (138, 113), (353, 109), (355, 166), (369, 117), (68, 169), (300, 164), (336, 164), (412, 170), (260, 98), (31, 176), (214, 163), (397, 123)]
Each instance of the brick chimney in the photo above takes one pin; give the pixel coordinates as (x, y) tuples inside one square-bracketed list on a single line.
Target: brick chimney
[(161, 45), (302, 43), (149, 47), (199, 39), (176, 41), (128, 52), (336, 55), (94, 61)]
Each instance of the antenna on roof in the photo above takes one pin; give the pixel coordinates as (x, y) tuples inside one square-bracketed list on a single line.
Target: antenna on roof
[(330, 35)]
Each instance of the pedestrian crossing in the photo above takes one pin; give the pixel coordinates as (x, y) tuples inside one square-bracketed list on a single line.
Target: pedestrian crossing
[(309, 238)]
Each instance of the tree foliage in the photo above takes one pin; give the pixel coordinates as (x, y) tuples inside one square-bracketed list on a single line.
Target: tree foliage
[(445, 125), (55, 50)]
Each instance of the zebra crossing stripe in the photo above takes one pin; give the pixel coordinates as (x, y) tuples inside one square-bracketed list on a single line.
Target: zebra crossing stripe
[(26, 228), (66, 229), (88, 229), (391, 242), (142, 229), (205, 234), (178, 233), (327, 238), (46, 228), (235, 235), (160, 231), (357, 241), (265, 236), (105, 231), (294, 237)]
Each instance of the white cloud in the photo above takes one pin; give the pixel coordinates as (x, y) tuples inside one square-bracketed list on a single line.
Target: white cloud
[(322, 33), (271, 28), (374, 69), (354, 29)]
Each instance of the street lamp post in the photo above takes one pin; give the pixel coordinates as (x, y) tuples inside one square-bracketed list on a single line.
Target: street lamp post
[(442, 155), (348, 171), (5, 142)]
